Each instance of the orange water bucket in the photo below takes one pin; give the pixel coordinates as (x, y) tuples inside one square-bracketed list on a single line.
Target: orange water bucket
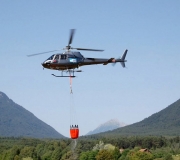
[(74, 133)]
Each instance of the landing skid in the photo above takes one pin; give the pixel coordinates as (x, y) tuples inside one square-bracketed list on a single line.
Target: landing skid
[(63, 76)]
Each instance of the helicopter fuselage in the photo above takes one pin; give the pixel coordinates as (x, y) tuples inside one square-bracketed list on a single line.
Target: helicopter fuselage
[(72, 60)]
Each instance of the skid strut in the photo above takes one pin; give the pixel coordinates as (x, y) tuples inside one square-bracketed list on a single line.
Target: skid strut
[(73, 76), (63, 76)]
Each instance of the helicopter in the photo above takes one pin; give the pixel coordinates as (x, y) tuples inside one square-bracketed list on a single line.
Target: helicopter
[(71, 61)]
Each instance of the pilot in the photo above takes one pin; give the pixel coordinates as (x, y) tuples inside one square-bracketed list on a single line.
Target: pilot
[(57, 57)]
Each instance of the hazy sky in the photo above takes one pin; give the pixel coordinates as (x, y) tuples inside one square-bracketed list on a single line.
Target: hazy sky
[(150, 30)]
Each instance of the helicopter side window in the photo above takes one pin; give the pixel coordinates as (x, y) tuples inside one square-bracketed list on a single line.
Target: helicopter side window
[(63, 56)]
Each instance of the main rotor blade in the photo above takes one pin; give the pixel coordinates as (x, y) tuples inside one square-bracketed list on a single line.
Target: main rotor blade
[(71, 36), (85, 49), (41, 53)]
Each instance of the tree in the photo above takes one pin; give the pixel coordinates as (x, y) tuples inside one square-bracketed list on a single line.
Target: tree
[(168, 157), (99, 146), (137, 155), (104, 155), (27, 152), (84, 156), (102, 146), (89, 155), (116, 153), (124, 154), (28, 158), (56, 155), (92, 155), (69, 156), (16, 157)]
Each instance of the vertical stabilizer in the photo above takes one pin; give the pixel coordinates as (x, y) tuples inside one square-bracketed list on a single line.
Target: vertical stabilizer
[(124, 55), (123, 59)]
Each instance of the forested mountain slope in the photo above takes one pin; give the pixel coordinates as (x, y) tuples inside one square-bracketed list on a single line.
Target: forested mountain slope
[(17, 121), (165, 122)]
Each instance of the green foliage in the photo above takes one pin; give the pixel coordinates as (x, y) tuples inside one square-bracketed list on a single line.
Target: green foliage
[(84, 156), (124, 154), (99, 146), (89, 155), (104, 155), (27, 152), (28, 158), (116, 153), (56, 154), (69, 156), (109, 147), (137, 155), (168, 157), (176, 157), (19, 148)]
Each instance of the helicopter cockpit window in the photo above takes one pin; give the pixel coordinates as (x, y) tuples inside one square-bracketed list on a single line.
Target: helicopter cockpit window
[(57, 57), (51, 58), (63, 56)]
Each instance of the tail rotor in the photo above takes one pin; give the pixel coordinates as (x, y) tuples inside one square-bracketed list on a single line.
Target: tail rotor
[(121, 60)]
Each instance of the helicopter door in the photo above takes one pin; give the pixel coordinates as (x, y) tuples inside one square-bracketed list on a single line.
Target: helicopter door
[(56, 59)]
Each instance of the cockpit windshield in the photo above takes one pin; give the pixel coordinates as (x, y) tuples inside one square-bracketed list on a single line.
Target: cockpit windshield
[(51, 58)]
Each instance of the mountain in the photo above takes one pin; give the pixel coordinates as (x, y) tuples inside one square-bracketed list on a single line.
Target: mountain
[(165, 122), (16, 121), (107, 126)]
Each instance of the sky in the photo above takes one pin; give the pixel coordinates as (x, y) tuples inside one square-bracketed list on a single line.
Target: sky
[(149, 83)]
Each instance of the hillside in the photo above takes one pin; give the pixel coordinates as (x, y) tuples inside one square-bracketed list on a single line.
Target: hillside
[(107, 126), (16, 121), (165, 122)]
